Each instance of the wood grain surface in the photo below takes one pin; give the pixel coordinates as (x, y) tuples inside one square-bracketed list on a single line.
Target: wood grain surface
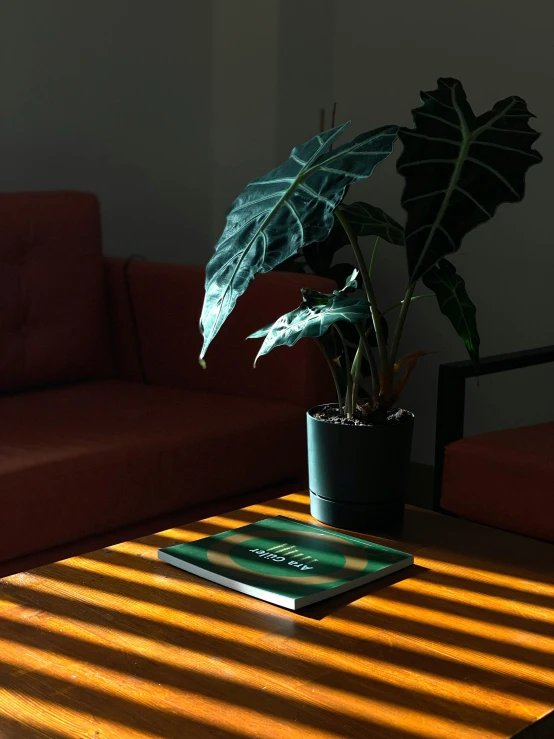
[(118, 645)]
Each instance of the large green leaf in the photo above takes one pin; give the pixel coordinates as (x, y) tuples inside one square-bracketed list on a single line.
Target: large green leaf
[(368, 220), (455, 304), (314, 317), (284, 210), (459, 168)]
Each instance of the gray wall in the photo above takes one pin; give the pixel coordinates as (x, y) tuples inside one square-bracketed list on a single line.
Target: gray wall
[(164, 109), (113, 96), (384, 54), (244, 98), (273, 72)]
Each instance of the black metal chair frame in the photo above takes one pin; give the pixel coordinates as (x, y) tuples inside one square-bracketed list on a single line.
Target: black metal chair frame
[(451, 398)]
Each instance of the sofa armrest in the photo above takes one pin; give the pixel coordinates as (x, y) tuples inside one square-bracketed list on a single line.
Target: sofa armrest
[(451, 398), (155, 309)]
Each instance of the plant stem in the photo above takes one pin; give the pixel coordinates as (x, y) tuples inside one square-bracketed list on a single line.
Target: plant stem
[(364, 344), (400, 322), (333, 372), (376, 316), (373, 255), (356, 375), (401, 302), (369, 354), (348, 370)]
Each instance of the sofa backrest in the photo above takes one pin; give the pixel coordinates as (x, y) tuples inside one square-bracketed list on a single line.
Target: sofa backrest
[(167, 301), (53, 313)]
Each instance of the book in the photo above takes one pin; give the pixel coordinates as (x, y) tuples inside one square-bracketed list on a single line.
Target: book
[(286, 562)]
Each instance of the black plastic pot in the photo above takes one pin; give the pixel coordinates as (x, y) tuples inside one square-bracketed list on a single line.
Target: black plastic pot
[(358, 474)]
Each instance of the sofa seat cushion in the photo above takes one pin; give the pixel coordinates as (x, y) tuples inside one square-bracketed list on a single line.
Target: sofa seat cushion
[(93, 457), (504, 479), (53, 308)]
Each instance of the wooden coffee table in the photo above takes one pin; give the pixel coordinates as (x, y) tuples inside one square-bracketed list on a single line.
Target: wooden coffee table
[(118, 645)]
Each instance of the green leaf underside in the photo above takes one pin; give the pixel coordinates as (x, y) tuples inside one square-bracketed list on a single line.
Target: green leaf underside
[(319, 256), (314, 317), (455, 304), (459, 168), (279, 213), (365, 220), (368, 220)]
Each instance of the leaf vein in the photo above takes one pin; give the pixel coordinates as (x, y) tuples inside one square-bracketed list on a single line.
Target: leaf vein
[(438, 118), (494, 172), (473, 200)]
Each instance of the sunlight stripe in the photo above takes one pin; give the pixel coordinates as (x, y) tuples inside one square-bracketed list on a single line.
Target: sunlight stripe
[(423, 587), (489, 576), (245, 634), (465, 624), (498, 635), (490, 603), (148, 695), (471, 573), (61, 720), (190, 660), (195, 706)]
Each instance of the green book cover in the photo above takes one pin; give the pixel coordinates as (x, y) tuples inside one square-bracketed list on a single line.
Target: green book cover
[(286, 562)]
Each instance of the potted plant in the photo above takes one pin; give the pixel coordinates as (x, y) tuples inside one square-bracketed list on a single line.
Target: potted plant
[(458, 168)]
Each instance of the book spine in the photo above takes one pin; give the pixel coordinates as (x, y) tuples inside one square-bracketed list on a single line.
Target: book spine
[(260, 593)]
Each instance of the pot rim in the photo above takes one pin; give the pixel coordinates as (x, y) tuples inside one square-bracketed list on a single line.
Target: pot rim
[(311, 411)]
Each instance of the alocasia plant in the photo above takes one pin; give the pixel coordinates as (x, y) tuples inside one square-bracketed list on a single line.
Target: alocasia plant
[(287, 209), (458, 168)]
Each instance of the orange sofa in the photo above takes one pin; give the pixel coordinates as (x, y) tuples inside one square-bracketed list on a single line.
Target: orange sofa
[(505, 478), (110, 428)]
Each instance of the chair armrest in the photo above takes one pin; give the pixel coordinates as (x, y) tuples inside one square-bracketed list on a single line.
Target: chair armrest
[(451, 397), (155, 309)]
